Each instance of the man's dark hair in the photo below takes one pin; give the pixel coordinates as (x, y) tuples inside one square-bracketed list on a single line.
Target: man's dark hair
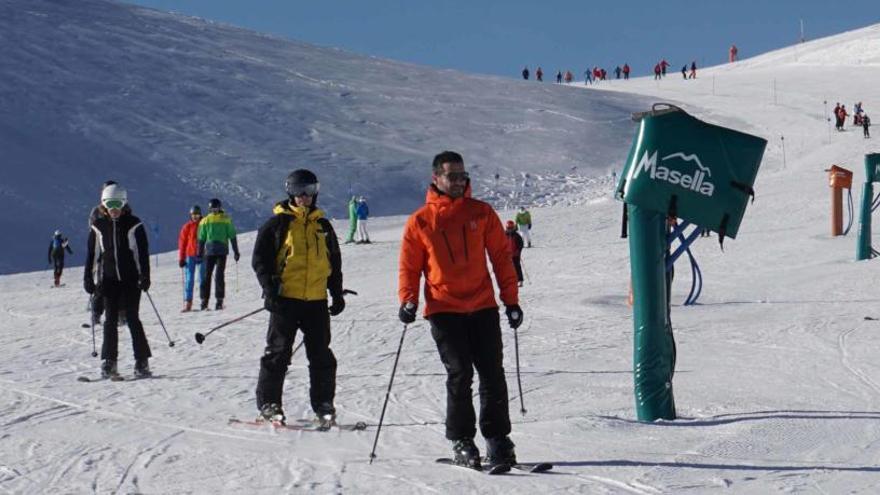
[(446, 157)]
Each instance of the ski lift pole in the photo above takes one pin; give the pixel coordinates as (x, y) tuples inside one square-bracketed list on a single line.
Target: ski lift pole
[(864, 250)]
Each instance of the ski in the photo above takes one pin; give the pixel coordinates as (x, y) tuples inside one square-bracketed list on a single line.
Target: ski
[(870, 318), (491, 470), (300, 425), (533, 467), (88, 379)]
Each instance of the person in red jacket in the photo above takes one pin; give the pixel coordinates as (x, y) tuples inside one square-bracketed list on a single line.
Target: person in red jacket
[(515, 242), (188, 256), (448, 240), (626, 71)]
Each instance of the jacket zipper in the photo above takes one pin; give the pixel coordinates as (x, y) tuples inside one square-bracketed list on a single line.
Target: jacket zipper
[(116, 253), (448, 247), (464, 240)]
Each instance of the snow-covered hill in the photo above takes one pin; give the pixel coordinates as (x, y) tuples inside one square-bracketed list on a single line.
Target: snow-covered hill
[(181, 110), (777, 383)]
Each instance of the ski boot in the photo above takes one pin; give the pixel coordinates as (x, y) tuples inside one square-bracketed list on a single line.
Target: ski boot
[(108, 369), (142, 368), (465, 453), (219, 304), (271, 413), (187, 307), (500, 451), (325, 416), (204, 305)]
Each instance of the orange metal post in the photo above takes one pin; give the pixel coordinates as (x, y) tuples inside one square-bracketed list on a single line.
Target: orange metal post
[(839, 179)]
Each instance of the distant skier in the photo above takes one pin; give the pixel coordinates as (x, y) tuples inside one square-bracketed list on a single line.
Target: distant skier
[(684, 71), (568, 77), (216, 232), (539, 74), (617, 71), (657, 72), (837, 123), (693, 74), (588, 79), (559, 77), (525, 73), (625, 71), (866, 123), (449, 240), (515, 243), (295, 273), (363, 213), (118, 267), (188, 256), (352, 219), (57, 246), (524, 224), (663, 65), (732, 54)]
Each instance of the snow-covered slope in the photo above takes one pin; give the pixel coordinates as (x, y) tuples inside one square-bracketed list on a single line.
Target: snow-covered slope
[(181, 110), (777, 383)]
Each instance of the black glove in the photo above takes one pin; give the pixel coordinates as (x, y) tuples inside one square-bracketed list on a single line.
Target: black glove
[(182, 263), (530, 226), (89, 285), (514, 315), (144, 283), (337, 305), (407, 313), (272, 298), (236, 256)]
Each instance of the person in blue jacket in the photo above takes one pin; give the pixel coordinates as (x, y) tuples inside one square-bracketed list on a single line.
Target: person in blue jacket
[(57, 247), (363, 212)]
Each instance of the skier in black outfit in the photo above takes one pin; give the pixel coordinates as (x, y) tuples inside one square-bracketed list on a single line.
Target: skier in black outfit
[(525, 73), (96, 302), (118, 254), (295, 286), (57, 247)]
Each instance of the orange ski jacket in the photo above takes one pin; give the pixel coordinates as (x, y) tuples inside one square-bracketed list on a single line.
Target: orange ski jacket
[(447, 240)]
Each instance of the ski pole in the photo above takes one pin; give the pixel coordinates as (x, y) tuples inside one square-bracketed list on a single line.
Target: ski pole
[(94, 348), (522, 406), (387, 394), (170, 342), (526, 272), (201, 337), (183, 281), (236, 277)]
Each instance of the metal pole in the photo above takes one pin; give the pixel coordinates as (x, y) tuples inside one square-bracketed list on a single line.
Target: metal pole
[(387, 394)]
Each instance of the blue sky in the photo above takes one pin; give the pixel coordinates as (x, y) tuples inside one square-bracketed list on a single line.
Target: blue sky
[(501, 36)]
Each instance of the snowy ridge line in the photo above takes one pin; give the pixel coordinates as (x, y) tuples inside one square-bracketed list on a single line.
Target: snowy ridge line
[(129, 417)]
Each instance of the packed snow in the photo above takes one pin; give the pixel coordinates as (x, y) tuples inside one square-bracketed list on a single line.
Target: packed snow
[(777, 383)]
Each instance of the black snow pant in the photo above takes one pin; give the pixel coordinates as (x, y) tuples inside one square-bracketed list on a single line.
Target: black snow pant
[(211, 261), (467, 341), (312, 318), (517, 264), (123, 296), (58, 263)]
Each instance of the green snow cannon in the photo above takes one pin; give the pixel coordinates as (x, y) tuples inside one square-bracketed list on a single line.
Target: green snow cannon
[(678, 166), (864, 250)]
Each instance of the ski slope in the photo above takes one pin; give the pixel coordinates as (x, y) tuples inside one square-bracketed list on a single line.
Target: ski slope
[(777, 383)]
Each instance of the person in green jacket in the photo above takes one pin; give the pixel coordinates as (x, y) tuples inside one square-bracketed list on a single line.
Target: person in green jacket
[(216, 232), (524, 224), (352, 219)]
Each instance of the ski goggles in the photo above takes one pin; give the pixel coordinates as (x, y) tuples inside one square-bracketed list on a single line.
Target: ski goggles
[(113, 204), (302, 189)]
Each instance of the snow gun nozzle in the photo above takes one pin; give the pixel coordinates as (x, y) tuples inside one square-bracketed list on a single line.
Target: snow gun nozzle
[(200, 338)]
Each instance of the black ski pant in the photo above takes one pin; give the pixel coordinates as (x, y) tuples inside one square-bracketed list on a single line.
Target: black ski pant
[(467, 341), (312, 318), (58, 263), (517, 264), (211, 262), (123, 296)]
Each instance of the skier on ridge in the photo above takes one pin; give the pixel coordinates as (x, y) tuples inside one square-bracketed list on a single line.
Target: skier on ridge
[(448, 240)]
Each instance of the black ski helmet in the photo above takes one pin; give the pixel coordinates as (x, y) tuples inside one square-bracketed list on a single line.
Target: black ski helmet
[(214, 203), (196, 209), (299, 181)]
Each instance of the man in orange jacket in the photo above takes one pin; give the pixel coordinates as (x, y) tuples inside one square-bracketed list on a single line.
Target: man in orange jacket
[(447, 239)]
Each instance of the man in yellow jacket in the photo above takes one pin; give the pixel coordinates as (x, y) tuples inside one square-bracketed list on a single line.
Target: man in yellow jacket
[(297, 261)]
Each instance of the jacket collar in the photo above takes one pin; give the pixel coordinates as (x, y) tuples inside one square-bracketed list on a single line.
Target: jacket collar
[(297, 212)]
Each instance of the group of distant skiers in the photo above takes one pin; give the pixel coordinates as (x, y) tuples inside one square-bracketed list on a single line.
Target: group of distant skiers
[(358, 213), (860, 118), (297, 262)]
